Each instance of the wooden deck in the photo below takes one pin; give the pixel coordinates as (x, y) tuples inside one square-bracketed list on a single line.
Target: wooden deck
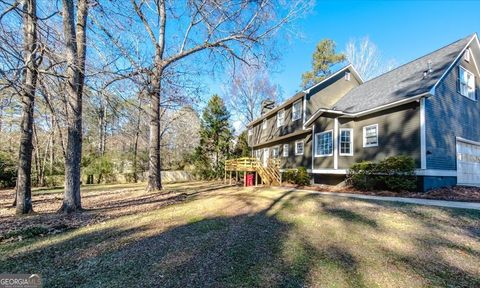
[(269, 174)]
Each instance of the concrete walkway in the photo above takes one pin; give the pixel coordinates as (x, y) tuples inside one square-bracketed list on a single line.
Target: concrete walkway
[(428, 202)]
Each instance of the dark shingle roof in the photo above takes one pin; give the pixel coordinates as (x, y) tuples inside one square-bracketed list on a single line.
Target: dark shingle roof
[(403, 82)]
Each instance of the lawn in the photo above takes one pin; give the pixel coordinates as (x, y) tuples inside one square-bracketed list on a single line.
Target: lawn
[(209, 235)]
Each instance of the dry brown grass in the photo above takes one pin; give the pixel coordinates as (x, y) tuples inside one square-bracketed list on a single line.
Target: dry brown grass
[(196, 236)]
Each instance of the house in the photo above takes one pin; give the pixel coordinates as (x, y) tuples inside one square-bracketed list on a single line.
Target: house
[(427, 109)]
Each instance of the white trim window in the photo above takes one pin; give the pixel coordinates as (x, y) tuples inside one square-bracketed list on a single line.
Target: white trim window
[(297, 110), (346, 142), (466, 83), (324, 144), (275, 152), (250, 132), (299, 147), (258, 154), (264, 124), (285, 150), (370, 135), (280, 118)]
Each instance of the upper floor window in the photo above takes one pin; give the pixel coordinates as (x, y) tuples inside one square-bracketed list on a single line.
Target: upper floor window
[(299, 148), (275, 152), (346, 142), (264, 124), (466, 83), (370, 135), (280, 118), (285, 150), (250, 132), (297, 110), (324, 143)]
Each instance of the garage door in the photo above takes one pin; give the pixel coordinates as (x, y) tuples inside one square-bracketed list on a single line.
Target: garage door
[(468, 162)]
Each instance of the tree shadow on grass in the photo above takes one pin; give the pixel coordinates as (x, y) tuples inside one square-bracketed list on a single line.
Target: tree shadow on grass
[(238, 251), (247, 250)]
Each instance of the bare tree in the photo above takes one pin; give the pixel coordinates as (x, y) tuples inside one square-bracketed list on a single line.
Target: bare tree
[(248, 87), (228, 28), (75, 40), (29, 84), (367, 58)]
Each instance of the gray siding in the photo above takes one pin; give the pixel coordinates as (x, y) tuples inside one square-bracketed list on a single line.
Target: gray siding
[(327, 94), (322, 96), (448, 115), (261, 135), (292, 161), (398, 134)]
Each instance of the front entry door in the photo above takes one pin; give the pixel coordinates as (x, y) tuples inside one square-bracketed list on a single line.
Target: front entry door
[(266, 155)]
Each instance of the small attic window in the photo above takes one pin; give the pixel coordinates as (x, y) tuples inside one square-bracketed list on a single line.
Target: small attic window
[(347, 76), (466, 56)]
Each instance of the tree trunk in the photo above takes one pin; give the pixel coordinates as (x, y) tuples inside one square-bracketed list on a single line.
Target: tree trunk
[(1, 117), (75, 56), (52, 147), (135, 146), (23, 199), (154, 164)]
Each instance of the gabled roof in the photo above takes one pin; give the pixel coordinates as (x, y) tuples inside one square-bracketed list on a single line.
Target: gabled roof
[(405, 81), (300, 94)]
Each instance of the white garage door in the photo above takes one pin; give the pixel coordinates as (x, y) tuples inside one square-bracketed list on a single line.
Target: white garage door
[(468, 162)]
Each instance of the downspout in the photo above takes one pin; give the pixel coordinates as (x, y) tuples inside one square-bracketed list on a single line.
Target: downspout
[(313, 147), (335, 143), (423, 136)]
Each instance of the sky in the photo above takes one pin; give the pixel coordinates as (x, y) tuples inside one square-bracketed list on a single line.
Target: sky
[(402, 30)]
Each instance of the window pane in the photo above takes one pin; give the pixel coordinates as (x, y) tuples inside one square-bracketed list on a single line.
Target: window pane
[(297, 110), (345, 142), (370, 135), (324, 143), (299, 148)]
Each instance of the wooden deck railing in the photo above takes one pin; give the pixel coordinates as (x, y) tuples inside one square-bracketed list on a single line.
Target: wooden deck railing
[(270, 174)]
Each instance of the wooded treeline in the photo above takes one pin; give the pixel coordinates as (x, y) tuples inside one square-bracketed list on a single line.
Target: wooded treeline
[(92, 89)]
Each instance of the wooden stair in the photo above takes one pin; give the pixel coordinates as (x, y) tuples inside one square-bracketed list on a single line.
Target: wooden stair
[(270, 174)]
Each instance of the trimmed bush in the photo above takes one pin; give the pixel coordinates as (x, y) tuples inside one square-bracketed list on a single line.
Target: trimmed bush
[(395, 173), (362, 175), (298, 176)]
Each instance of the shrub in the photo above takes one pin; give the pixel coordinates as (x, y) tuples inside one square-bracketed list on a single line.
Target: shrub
[(8, 171), (362, 175), (102, 168), (289, 175), (395, 173), (398, 173), (298, 176)]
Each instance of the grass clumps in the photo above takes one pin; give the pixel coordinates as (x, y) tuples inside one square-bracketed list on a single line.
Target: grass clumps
[(26, 233)]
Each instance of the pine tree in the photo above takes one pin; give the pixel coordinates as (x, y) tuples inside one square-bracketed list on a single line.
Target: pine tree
[(215, 139), (323, 59), (241, 147)]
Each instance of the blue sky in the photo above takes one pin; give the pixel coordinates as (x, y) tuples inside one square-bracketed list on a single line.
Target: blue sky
[(403, 30)]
